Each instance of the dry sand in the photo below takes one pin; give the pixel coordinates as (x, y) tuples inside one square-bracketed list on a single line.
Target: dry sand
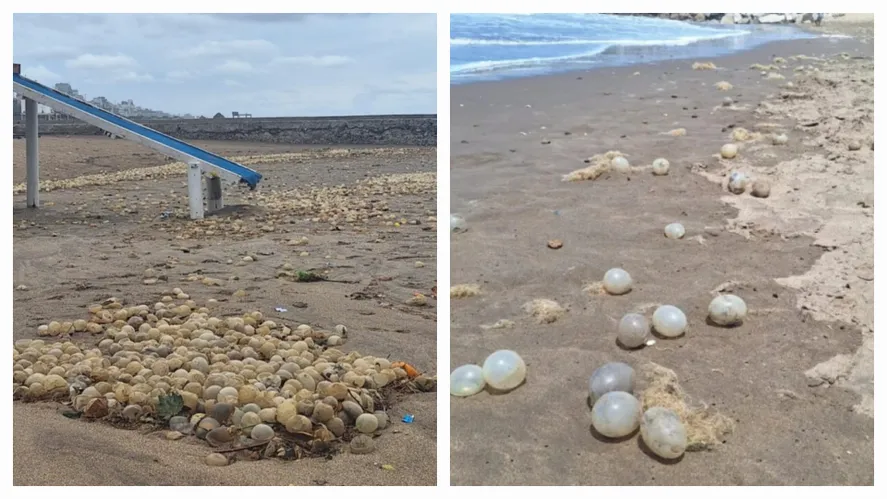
[(93, 242), (796, 378)]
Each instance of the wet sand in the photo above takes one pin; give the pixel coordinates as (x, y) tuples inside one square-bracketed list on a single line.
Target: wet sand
[(89, 243), (796, 377)]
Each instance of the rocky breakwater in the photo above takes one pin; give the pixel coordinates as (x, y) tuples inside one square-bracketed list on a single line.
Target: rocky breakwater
[(393, 130), (744, 18)]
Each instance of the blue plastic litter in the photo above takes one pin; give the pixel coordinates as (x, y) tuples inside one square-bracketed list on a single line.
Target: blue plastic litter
[(408, 418)]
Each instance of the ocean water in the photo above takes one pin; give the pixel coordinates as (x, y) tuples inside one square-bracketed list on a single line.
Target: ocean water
[(499, 46)]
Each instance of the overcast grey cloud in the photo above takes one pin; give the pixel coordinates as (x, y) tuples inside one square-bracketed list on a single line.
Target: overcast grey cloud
[(264, 64)]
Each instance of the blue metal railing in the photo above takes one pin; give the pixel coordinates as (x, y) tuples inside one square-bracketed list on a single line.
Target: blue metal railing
[(251, 177)]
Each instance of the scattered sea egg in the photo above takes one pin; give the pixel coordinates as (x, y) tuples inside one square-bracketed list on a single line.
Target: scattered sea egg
[(611, 377), (458, 223), (617, 282), (729, 151), (737, 183), (674, 231), (727, 310), (504, 370), (663, 432), (466, 380), (669, 321), (633, 330), (620, 164), (660, 166), (616, 414)]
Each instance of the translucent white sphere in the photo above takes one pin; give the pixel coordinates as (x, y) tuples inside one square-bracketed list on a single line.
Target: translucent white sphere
[(729, 151), (674, 231), (620, 164), (610, 377), (504, 370), (633, 330), (664, 433), (737, 183), (466, 380), (669, 321), (617, 282), (457, 223), (616, 414), (660, 166), (727, 310)]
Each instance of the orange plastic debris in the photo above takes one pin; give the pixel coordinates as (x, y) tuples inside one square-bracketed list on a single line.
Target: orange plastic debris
[(411, 371)]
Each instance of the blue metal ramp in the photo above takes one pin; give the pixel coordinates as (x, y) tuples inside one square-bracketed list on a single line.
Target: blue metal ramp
[(131, 130)]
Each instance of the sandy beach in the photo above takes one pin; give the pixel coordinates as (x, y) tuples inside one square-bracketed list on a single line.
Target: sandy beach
[(796, 379), (364, 218)]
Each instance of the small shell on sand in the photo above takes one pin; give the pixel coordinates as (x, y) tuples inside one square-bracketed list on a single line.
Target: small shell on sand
[(760, 189), (723, 86), (262, 432), (216, 459), (677, 132), (367, 423), (362, 444)]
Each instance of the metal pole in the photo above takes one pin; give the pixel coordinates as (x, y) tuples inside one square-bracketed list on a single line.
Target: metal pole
[(33, 152)]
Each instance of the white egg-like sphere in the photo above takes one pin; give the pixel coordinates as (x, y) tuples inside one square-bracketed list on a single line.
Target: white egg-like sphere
[(467, 380), (660, 166), (727, 310), (633, 330), (457, 223), (669, 321), (674, 231), (504, 370), (737, 183), (610, 377), (617, 282), (664, 432), (729, 151), (620, 164), (616, 414)]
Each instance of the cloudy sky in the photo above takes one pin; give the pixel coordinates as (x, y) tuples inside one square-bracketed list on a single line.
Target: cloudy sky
[(264, 64)]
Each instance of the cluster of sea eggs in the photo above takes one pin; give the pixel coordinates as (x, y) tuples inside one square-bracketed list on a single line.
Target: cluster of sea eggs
[(503, 371), (616, 413), (239, 374)]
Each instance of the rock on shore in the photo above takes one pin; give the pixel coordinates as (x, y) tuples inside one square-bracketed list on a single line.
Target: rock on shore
[(741, 18)]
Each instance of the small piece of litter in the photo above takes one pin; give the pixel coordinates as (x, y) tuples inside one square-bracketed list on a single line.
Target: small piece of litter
[(408, 418), (280, 309), (387, 467), (651, 343)]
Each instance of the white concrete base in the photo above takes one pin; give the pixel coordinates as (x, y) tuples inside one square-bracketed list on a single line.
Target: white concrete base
[(198, 190)]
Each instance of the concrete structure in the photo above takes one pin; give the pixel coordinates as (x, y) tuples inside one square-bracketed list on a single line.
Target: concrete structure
[(200, 162), (392, 130)]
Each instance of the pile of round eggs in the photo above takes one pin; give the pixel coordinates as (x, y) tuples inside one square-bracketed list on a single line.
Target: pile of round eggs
[(616, 413), (240, 378), (503, 371)]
